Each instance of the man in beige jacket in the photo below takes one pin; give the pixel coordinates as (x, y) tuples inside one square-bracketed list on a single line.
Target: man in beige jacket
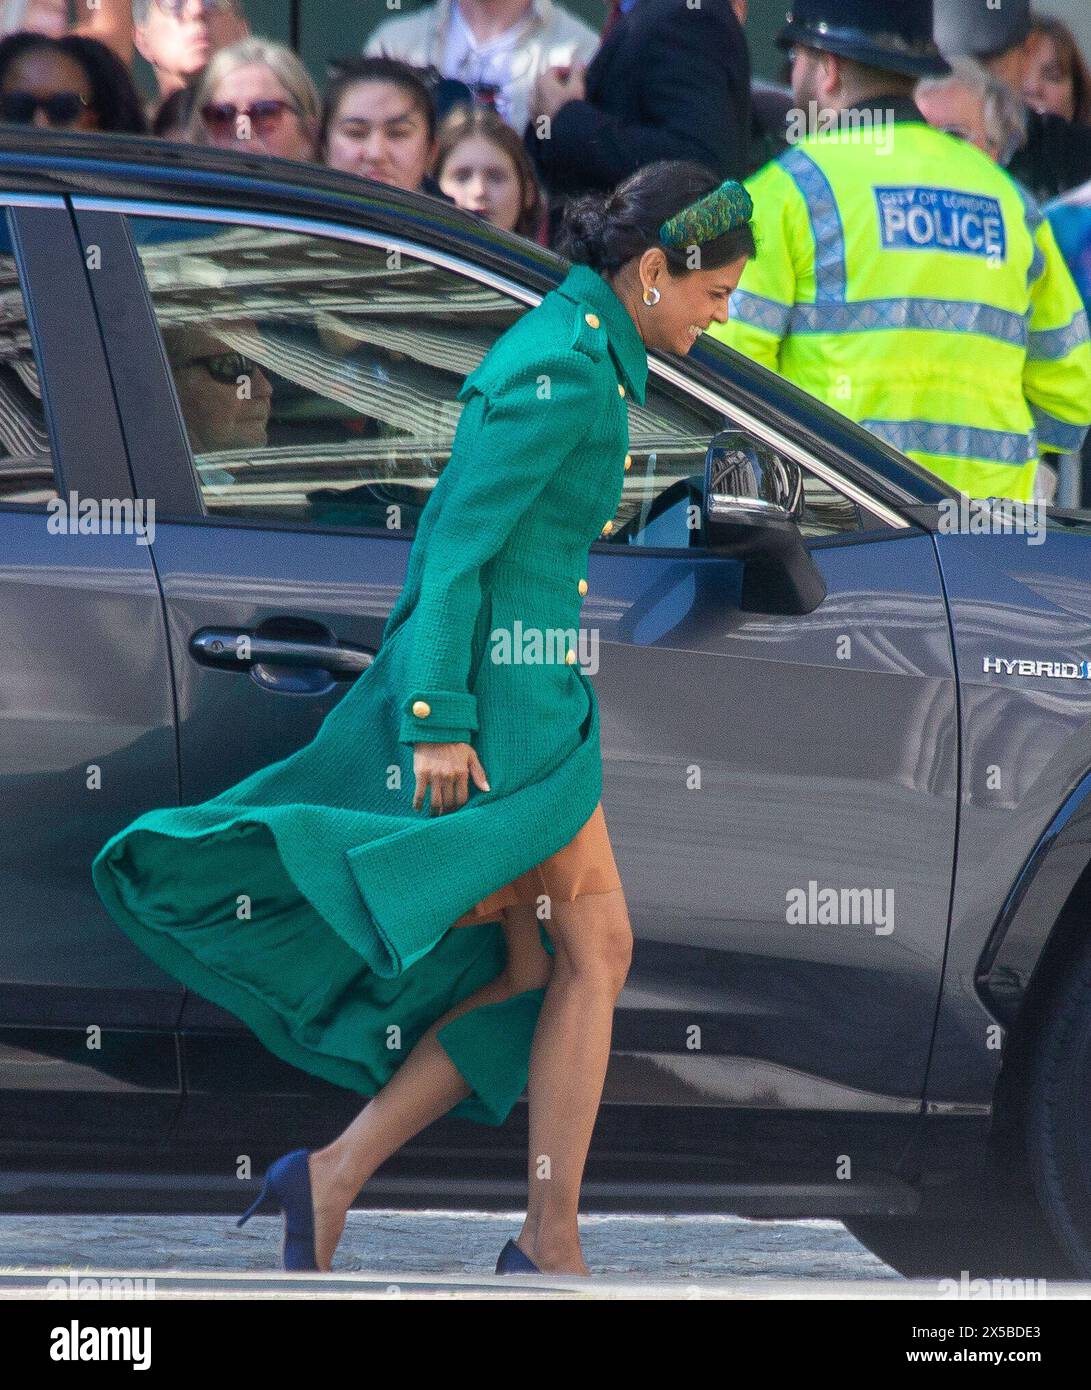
[(499, 43)]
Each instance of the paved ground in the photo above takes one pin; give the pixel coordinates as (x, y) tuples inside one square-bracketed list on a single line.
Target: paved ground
[(391, 1243), (444, 1254)]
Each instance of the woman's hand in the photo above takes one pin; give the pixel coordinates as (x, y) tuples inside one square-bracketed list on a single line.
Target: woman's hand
[(445, 768)]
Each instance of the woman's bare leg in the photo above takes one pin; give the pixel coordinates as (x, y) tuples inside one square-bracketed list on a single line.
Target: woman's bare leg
[(592, 939), (425, 1087)]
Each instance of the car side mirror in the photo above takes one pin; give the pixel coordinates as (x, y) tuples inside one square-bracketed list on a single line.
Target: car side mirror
[(752, 504)]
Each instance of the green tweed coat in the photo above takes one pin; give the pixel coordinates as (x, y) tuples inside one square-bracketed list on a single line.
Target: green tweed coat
[(310, 899)]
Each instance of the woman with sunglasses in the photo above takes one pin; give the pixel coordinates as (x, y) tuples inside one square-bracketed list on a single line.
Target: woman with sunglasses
[(207, 372), (71, 83), (257, 97)]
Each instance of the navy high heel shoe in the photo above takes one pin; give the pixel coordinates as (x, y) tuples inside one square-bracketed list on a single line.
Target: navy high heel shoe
[(288, 1179), (513, 1261)]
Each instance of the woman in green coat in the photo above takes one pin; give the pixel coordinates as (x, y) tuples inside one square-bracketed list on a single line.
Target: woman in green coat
[(316, 898)]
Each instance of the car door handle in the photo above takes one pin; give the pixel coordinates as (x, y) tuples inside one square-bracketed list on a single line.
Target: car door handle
[(238, 649)]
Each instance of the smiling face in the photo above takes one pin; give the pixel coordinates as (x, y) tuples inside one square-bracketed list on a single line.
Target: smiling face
[(479, 176), (688, 303), (378, 131), (1047, 86)]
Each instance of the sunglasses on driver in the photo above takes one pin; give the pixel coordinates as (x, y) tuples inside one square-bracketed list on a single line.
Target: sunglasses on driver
[(224, 367)]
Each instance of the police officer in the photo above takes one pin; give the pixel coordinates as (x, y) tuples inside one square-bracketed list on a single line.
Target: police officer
[(901, 276)]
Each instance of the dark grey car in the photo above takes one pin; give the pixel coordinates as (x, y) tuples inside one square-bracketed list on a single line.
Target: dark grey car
[(846, 743)]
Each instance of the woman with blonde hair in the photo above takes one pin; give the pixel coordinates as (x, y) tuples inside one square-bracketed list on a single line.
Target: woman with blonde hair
[(256, 96), (976, 105), (483, 165)]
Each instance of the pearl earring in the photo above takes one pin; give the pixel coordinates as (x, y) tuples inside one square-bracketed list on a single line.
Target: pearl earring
[(654, 292)]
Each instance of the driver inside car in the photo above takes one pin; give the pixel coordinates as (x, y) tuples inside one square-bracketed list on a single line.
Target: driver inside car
[(226, 397)]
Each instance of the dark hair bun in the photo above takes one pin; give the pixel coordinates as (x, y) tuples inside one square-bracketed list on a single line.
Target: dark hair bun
[(583, 231)]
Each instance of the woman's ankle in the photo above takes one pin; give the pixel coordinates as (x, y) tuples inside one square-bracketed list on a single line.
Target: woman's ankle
[(552, 1245), (339, 1184)]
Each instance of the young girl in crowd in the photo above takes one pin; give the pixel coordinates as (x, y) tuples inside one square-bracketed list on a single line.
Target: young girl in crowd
[(484, 167)]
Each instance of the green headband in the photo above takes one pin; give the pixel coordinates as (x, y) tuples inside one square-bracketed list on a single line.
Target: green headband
[(718, 212)]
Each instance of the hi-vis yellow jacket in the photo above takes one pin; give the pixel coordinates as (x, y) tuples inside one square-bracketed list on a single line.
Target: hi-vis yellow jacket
[(909, 282)]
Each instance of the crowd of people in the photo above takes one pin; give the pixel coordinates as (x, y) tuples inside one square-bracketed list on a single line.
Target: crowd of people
[(511, 108), (378, 117), (508, 107)]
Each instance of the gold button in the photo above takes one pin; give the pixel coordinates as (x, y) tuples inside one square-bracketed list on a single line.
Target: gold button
[(421, 709), (620, 389), (628, 462), (570, 658), (607, 528), (591, 320), (582, 586)]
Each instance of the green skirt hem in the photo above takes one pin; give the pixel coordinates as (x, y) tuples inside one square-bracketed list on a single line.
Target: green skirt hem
[(489, 1046)]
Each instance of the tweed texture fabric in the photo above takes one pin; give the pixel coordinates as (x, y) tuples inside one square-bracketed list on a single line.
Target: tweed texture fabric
[(311, 899)]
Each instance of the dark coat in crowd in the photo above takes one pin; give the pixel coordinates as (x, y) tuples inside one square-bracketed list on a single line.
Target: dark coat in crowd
[(668, 82), (1055, 158)]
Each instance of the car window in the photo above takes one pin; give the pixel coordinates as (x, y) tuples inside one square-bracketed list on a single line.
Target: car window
[(26, 460), (317, 380)]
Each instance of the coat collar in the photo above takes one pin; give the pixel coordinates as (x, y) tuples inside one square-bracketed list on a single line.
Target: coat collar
[(889, 107), (582, 285)]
